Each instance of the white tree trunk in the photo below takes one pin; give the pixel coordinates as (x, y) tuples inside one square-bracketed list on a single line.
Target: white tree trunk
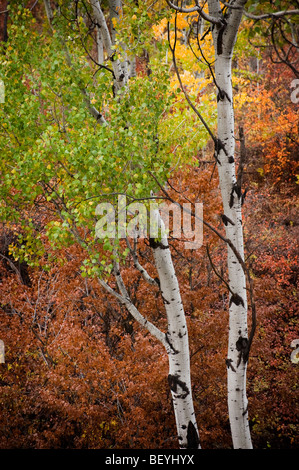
[(120, 78), (128, 63), (175, 340), (237, 341), (178, 346), (231, 197), (100, 46)]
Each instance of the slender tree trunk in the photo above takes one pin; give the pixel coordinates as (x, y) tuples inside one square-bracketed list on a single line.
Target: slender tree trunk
[(128, 62), (224, 40), (236, 376), (100, 46), (175, 340), (120, 78), (179, 378)]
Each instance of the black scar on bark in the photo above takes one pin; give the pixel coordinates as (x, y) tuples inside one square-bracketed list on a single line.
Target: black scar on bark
[(229, 364), (242, 346), (226, 220), (235, 189), (221, 95), (156, 244), (236, 299), (175, 382), (220, 36), (192, 437), (218, 145), (171, 346), (165, 301)]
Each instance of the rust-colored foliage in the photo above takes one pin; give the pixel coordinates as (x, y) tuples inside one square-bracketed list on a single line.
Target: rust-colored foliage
[(272, 127)]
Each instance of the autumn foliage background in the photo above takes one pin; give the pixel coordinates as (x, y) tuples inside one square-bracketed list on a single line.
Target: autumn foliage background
[(80, 373)]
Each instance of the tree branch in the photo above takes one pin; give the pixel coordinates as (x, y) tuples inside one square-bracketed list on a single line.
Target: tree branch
[(158, 334), (198, 9), (139, 267), (277, 14), (120, 76), (264, 16), (172, 48), (92, 110), (101, 22)]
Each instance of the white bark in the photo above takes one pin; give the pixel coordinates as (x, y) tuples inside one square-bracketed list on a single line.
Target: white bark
[(120, 78), (177, 337), (100, 46), (115, 12), (224, 41), (125, 300), (175, 340), (237, 401), (128, 63)]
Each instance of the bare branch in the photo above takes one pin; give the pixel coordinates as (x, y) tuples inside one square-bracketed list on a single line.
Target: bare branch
[(138, 266), (216, 272), (198, 9), (277, 14), (13, 267), (92, 110), (172, 48), (158, 334), (264, 16)]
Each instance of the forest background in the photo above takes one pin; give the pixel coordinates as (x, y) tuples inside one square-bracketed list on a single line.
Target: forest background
[(79, 371)]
